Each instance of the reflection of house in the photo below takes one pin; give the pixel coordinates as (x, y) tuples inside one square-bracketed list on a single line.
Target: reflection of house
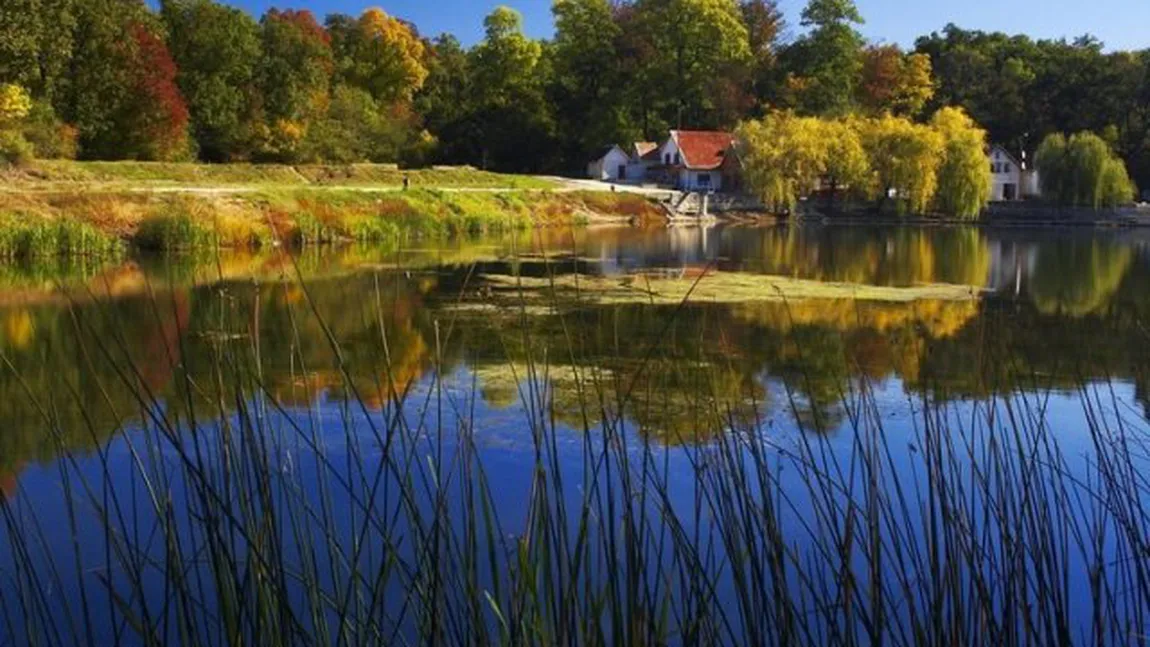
[(1010, 179), (689, 160), (610, 165)]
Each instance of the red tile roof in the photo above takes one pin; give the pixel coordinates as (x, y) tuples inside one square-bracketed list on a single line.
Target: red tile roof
[(702, 149)]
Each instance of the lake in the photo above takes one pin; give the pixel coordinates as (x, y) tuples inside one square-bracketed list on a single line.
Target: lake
[(735, 435)]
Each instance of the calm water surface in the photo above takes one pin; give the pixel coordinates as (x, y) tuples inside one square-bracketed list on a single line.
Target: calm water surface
[(1050, 317)]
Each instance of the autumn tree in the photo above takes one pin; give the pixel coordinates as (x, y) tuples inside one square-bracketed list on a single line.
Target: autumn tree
[(379, 53), (904, 157), (15, 105), (894, 82), (293, 75), (825, 63), (963, 176), (122, 95), (216, 49)]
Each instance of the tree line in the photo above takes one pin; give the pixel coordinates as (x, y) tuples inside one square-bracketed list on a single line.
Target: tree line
[(197, 79)]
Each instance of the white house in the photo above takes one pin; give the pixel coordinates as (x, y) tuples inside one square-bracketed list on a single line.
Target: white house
[(693, 159), (610, 165), (1010, 179), (644, 156)]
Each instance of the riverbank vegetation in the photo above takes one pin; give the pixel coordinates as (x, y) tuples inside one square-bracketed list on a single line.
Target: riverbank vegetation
[(43, 223), (938, 166), (197, 79)]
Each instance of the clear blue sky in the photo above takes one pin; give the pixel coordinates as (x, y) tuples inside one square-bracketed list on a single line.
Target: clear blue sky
[(1121, 24)]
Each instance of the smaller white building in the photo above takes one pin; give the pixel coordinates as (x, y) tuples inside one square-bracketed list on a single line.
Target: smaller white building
[(1010, 179), (610, 165)]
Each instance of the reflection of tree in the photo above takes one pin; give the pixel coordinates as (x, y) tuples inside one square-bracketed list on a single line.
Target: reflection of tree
[(1078, 278), (870, 256)]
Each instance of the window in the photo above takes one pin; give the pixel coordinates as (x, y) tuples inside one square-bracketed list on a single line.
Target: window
[(667, 159), (678, 160), (704, 180)]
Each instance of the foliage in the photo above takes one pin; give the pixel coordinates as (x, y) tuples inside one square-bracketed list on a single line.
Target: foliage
[(15, 103), (894, 82), (905, 158), (293, 75), (963, 177), (216, 49), (49, 136), (1082, 170), (786, 157), (357, 128), (696, 41), (15, 150), (824, 65), (378, 53)]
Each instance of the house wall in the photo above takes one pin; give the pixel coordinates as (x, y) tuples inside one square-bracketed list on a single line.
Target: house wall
[(607, 167), (1004, 172), (669, 154), (692, 180)]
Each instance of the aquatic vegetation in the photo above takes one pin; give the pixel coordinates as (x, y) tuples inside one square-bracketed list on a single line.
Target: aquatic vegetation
[(714, 287)]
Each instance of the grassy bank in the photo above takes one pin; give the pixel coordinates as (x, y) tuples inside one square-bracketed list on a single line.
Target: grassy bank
[(62, 173), (84, 222)]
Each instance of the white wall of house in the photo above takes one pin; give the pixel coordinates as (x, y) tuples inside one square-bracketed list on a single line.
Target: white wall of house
[(694, 180), (612, 167), (1006, 177), (669, 154)]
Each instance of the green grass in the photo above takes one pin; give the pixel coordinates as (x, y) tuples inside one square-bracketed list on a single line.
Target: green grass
[(144, 174)]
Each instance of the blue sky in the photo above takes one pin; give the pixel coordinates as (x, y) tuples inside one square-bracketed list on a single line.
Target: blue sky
[(1121, 24)]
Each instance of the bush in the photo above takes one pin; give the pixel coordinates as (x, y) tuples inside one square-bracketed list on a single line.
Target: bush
[(50, 137), (14, 149)]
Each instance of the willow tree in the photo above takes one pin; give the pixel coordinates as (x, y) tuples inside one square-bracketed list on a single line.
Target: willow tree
[(1082, 170), (905, 158), (963, 176), (783, 158)]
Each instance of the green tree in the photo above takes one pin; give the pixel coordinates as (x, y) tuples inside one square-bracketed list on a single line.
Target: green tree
[(825, 63), (216, 49), (963, 176), (1082, 170), (445, 100), (293, 75), (358, 128), (764, 22), (699, 44), (590, 104), (511, 123)]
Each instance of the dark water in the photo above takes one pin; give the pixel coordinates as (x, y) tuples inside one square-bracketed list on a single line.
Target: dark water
[(1050, 314)]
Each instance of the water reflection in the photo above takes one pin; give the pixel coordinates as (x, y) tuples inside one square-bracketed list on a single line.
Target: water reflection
[(1063, 308)]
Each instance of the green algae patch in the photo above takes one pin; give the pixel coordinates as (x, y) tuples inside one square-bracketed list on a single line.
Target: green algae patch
[(714, 287)]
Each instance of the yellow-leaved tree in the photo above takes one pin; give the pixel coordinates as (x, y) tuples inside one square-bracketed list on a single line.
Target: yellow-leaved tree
[(784, 158), (15, 104), (905, 159), (389, 61), (963, 176)]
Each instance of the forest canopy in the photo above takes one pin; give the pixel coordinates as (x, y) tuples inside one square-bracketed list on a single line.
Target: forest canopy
[(199, 79)]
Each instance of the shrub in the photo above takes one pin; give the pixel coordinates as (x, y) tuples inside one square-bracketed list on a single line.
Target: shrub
[(14, 149)]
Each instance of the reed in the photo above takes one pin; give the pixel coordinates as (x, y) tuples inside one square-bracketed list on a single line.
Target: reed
[(232, 514)]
